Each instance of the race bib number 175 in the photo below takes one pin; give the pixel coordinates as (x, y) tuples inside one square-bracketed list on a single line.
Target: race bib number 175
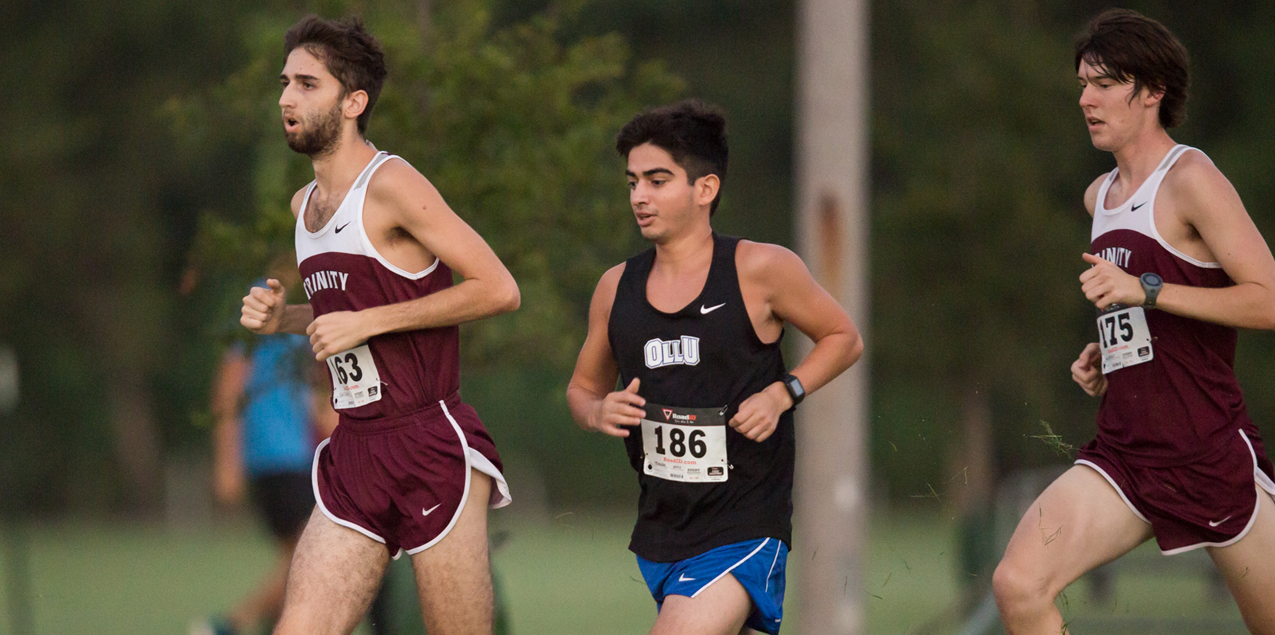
[(685, 444), (1124, 338), (355, 379)]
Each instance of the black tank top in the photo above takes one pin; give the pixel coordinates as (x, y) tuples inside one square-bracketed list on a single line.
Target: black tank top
[(706, 355)]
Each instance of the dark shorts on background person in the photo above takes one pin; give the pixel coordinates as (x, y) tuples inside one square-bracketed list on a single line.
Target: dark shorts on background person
[(758, 565), (1209, 502), (403, 481), (285, 500)]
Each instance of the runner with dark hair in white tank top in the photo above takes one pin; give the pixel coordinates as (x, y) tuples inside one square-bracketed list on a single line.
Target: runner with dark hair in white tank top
[(1176, 266), (410, 468)]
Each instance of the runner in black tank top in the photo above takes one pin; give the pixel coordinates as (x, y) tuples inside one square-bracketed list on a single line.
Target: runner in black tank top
[(721, 362), (692, 329)]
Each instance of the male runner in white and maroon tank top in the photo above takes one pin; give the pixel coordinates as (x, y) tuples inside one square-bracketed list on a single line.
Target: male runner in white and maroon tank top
[(410, 467), (1177, 267)]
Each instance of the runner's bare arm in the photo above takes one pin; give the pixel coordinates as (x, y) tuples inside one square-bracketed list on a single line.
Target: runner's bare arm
[(1210, 204), (1091, 194), (266, 310), (229, 483), (1205, 201), (406, 200), (591, 394), (792, 295), (1083, 370), (1087, 371)]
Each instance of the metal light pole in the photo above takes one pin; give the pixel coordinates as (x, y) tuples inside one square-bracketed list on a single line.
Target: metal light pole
[(832, 230)]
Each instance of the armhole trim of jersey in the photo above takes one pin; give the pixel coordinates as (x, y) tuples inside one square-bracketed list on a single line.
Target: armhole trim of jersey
[(367, 242), (1173, 157)]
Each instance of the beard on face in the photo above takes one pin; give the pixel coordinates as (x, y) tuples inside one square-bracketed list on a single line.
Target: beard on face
[(319, 134)]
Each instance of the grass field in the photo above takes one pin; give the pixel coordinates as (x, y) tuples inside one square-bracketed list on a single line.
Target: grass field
[(569, 575)]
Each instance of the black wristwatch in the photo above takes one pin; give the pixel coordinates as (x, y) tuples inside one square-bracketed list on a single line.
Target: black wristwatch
[(1151, 285), (795, 389)]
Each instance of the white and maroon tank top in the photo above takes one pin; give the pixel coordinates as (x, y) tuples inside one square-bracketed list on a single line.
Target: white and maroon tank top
[(1183, 401), (391, 374)]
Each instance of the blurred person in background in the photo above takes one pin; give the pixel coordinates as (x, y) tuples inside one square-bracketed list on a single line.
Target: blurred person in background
[(1176, 268), (271, 407)]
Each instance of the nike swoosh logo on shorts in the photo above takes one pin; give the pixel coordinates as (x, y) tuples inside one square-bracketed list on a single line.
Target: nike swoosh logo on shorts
[(1215, 524), (425, 512), (683, 578), (338, 229), (703, 310)]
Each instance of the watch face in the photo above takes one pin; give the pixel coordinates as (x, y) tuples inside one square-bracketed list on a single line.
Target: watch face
[(1152, 279), (795, 387)]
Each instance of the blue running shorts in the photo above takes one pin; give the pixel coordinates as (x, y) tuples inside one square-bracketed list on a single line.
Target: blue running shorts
[(757, 564)]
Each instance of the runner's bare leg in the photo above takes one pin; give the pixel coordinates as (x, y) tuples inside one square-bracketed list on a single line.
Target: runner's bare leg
[(453, 577), (1249, 569), (721, 609), (334, 576), (1078, 523)]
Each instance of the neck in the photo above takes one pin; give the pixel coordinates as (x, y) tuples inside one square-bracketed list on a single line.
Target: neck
[(338, 169), (1141, 156), (687, 249)]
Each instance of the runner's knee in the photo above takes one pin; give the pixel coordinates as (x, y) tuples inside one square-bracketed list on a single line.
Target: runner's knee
[(1017, 587)]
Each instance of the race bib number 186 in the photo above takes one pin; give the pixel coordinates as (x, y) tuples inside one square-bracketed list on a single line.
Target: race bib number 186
[(355, 379), (685, 444), (1124, 338)]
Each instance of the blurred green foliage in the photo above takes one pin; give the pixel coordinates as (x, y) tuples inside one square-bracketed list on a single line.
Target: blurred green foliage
[(144, 182)]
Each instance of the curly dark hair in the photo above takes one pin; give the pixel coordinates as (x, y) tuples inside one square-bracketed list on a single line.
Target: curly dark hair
[(693, 132), (349, 52)]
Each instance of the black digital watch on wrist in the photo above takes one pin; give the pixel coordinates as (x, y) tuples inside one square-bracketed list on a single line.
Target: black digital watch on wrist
[(1151, 285), (795, 389)]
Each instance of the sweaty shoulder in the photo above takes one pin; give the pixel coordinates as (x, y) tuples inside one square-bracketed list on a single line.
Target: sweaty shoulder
[(604, 294), (1091, 194), (609, 282), (299, 198), (766, 263), (1195, 185), (396, 181)]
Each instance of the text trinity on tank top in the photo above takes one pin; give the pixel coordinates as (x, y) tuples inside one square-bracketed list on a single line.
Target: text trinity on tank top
[(392, 374), (1171, 394), (703, 485)]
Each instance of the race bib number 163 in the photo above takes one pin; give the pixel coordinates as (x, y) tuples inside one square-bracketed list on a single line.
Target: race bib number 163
[(355, 379)]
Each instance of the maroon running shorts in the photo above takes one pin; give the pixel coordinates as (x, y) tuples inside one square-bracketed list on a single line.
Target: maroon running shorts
[(403, 481), (1206, 503)]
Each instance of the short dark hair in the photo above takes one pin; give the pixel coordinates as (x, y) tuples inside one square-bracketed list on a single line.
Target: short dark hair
[(1131, 46), (349, 52), (693, 132)]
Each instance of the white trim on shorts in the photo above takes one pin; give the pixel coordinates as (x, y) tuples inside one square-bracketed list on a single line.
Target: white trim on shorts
[(484, 465), (1262, 481), (314, 482), (732, 567), (1115, 487), (772, 570)]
